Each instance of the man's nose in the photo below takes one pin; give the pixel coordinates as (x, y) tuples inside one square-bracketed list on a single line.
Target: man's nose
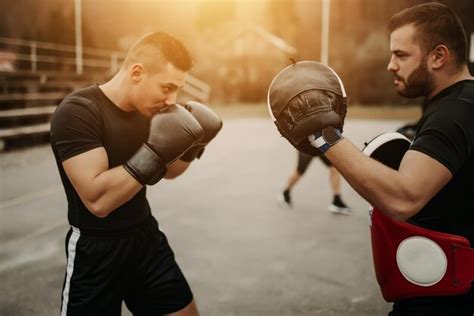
[(392, 66), (171, 98)]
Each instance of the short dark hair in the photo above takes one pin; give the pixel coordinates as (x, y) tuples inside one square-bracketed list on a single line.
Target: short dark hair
[(435, 24), (154, 48)]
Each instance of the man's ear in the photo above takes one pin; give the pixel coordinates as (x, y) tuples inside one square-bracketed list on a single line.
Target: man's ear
[(439, 57), (136, 73)]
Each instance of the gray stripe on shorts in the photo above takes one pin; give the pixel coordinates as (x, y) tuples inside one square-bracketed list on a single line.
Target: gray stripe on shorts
[(71, 255)]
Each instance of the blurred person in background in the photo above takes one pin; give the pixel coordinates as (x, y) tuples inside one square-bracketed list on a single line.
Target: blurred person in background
[(337, 205)]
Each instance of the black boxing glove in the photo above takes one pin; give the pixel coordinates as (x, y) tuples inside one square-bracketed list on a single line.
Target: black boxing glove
[(210, 122), (171, 133)]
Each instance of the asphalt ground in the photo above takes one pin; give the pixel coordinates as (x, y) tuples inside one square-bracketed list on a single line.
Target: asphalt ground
[(241, 253)]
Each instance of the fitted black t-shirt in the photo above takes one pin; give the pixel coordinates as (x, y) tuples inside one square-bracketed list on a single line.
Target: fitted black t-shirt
[(446, 133), (87, 119)]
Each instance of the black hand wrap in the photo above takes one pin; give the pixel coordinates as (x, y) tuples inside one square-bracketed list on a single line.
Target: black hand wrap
[(146, 166)]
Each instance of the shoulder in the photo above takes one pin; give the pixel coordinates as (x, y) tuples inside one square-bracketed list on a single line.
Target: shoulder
[(85, 97), (79, 110), (467, 93), (80, 102), (446, 131), (452, 119), (454, 110), (77, 124)]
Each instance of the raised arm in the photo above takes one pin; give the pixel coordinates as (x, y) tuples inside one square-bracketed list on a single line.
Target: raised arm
[(400, 194), (102, 190)]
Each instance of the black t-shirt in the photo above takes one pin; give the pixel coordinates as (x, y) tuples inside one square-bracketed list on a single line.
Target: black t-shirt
[(87, 119), (446, 133)]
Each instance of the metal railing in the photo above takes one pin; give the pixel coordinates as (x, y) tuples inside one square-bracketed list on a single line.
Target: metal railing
[(36, 55)]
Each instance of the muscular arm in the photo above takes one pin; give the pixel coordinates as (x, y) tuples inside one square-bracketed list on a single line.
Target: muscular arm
[(399, 194), (101, 189)]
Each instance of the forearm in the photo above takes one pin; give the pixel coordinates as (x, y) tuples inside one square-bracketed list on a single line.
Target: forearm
[(116, 186), (109, 190), (321, 111), (383, 187)]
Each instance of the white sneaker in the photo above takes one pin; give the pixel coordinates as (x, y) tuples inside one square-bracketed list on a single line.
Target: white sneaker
[(345, 210)]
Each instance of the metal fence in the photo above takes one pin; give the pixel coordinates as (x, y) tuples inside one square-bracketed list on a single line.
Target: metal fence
[(35, 56), (39, 57)]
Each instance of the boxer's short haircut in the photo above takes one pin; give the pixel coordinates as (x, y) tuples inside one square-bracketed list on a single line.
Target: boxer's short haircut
[(153, 49)]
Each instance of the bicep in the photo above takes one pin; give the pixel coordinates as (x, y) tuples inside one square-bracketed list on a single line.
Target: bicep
[(424, 176), (82, 169)]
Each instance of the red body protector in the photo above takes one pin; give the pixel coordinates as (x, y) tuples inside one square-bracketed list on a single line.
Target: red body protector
[(411, 261)]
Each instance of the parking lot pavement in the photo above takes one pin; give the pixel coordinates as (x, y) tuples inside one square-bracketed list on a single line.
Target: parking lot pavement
[(240, 252)]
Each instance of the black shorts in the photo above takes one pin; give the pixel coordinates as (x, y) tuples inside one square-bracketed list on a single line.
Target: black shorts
[(136, 266), (305, 159)]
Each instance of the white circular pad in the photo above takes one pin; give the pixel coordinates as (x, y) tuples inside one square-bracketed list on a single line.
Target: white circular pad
[(421, 261)]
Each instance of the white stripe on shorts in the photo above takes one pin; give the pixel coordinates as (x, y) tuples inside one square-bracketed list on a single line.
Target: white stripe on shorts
[(71, 255)]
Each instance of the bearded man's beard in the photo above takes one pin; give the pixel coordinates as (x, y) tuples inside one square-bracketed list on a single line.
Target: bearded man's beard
[(419, 83)]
